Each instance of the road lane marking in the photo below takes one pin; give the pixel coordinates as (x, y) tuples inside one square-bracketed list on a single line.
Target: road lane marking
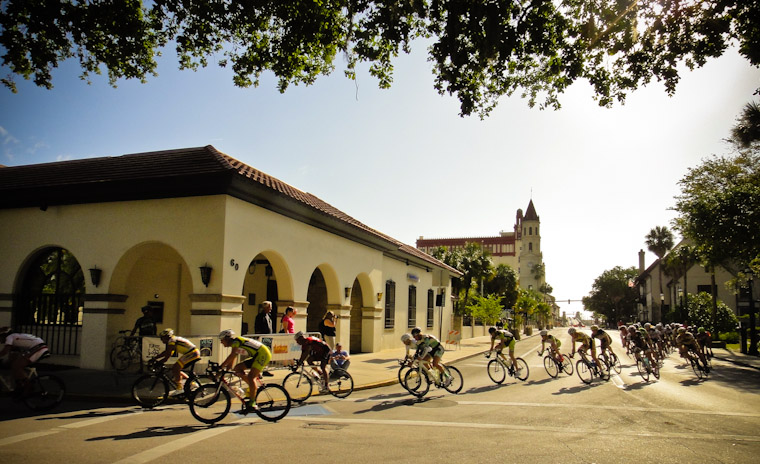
[(26, 436), (61, 428), (526, 428)]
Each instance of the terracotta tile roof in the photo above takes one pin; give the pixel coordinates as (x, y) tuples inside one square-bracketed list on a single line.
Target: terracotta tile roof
[(177, 173)]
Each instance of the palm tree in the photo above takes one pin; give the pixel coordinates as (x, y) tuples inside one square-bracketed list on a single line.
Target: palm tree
[(659, 241), (747, 128)]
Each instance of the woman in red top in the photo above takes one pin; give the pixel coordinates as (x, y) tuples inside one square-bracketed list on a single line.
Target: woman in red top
[(287, 322)]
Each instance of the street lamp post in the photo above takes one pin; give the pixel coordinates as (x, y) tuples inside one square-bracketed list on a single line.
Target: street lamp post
[(752, 329), (662, 306)]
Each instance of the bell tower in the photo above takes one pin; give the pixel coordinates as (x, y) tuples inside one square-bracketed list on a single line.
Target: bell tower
[(530, 253)]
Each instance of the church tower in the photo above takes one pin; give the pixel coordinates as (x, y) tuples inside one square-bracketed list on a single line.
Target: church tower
[(530, 250)]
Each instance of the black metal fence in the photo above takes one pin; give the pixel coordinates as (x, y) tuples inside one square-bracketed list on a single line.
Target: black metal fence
[(57, 319)]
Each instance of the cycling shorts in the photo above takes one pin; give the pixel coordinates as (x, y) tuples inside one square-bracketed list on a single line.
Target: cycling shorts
[(511, 345), (260, 360), (586, 346), (187, 358), (606, 341)]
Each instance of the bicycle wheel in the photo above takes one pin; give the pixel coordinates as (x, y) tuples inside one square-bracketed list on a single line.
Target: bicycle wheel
[(273, 402), (150, 390), (643, 371), (210, 403), (695, 367), (457, 381), (656, 371), (401, 374), (121, 357), (496, 371), (417, 384), (521, 369), (340, 384), (567, 364), (616, 366), (551, 367), (584, 371), (298, 386), (604, 370), (45, 393)]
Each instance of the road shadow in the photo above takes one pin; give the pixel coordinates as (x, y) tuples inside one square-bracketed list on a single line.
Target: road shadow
[(91, 414), (485, 388), (579, 388), (391, 404), (151, 432), (539, 382), (389, 396)]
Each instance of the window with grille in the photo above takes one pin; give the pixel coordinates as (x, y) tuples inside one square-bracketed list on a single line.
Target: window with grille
[(390, 304), (430, 302), (412, 316)]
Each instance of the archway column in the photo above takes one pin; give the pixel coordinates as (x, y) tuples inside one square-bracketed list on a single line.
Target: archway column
[(214, 312), (372, 329), (98, 331)]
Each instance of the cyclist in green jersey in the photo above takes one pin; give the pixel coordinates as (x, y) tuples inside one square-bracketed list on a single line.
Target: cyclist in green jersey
[(505, 339), (553, 342), (428, 347), (255, 357)]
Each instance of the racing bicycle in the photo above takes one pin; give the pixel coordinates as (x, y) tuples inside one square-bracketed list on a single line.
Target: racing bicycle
[(155, 387), (417, 380), (300, 383), (39, 392), (556, 364), (211, 402), (499, 367), (588, 369)]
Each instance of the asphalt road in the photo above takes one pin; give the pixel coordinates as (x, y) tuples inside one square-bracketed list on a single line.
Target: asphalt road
[(675, 419)]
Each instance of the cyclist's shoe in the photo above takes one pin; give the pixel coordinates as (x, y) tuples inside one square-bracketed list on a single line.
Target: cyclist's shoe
[(446, 380), (267, 374), (176, 392), (248, 406)]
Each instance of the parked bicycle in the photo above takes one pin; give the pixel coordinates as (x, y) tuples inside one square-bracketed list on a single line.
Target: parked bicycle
[(155, 387), (211, 403), (38, 393), (418, 379), (300, 383), (556, 364), (126, 352), (501, 365), (588, 369)]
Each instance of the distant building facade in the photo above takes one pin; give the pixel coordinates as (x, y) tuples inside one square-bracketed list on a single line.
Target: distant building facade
[(520, 249)]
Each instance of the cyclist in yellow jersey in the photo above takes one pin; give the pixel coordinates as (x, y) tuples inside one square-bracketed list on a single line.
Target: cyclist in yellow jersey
[(554, 344), (585, 341), (255, 357), (604, 338), (185, 350)]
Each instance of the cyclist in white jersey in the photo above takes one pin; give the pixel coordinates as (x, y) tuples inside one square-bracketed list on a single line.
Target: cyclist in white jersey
[(23, 350)]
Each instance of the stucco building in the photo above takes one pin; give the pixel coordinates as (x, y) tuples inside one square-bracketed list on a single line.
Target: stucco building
[(203, 238)]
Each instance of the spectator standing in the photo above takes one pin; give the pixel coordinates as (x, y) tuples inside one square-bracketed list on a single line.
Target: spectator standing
[(263, 324), (287, 322), (145, 325), (327, 328)]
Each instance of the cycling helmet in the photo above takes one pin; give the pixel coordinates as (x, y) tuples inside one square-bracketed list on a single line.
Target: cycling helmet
[(543, 333), (406, 337), (682, 330), (701, 330), (226, 334), (491, 330), (298, 335), (571, 330), (647, 325), (594, 327), (166, 333), (416, 330)]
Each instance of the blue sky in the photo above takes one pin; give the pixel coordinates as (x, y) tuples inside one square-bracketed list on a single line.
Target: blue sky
[(402, 161)]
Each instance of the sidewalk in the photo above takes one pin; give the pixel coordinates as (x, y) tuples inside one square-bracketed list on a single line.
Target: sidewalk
[(736, 357), (369, 370)]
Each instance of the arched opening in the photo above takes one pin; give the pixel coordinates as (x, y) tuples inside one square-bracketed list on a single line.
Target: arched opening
[(317, 298), (260, 285), (50, 300), (356, 317)]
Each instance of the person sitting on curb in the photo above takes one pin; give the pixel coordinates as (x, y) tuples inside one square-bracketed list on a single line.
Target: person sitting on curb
[(339, 358)]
